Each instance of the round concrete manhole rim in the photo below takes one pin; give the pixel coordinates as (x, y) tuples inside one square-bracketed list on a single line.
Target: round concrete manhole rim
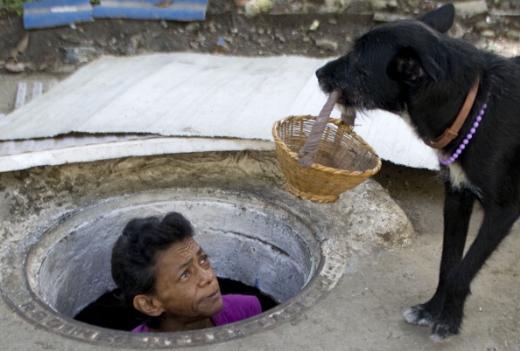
[(24, 301)]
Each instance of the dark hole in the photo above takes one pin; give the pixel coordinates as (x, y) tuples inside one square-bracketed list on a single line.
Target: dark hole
[(110, 311)]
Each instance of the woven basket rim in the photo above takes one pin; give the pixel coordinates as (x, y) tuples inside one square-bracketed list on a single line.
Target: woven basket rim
[(318, 166)]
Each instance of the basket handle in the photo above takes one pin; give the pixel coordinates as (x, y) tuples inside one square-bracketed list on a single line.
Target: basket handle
[(310, 148)]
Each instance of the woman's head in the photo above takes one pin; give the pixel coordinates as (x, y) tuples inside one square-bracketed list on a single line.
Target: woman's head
[(163, 271)]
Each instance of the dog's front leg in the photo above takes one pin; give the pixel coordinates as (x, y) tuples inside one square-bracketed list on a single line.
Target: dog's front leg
[(458, 205), (497, 223)]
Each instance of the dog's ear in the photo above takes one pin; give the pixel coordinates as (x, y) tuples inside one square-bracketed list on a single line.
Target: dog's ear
[(410, 66), (440, 19)]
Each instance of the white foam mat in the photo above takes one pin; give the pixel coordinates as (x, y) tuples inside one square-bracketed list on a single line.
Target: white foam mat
[(196, 95)]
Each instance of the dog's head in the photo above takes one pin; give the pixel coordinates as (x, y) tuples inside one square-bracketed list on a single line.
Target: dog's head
[(389, 60)]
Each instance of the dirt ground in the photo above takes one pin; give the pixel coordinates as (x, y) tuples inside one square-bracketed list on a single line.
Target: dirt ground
[(492, 311), (363, 312), (226, 30)]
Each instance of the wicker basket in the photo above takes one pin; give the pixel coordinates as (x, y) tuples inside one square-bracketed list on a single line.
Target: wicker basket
[(343, 159)]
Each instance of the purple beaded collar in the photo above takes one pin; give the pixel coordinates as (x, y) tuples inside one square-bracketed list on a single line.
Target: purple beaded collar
[(455, 155)]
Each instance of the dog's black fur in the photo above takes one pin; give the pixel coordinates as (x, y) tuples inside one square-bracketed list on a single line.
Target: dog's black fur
[(412, 66)]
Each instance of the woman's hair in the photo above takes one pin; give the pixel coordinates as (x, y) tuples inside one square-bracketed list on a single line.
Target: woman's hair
[(135, 251)]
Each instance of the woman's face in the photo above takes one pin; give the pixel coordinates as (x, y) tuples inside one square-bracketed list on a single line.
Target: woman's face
[(186, 285)]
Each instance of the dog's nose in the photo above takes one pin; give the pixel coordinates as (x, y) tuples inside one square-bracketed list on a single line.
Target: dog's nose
[(320, 73)]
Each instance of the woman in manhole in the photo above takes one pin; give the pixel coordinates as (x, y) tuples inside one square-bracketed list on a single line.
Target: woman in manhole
[(166, 276)]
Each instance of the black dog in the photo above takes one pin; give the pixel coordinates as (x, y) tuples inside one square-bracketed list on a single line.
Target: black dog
[(411, 66)]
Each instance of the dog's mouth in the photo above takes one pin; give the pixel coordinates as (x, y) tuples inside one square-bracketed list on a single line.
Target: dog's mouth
[(326, 87), (348, 112), (344, 102)]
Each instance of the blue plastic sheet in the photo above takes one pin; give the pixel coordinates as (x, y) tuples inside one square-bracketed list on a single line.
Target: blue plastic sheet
[(53, 13), (179, 10)]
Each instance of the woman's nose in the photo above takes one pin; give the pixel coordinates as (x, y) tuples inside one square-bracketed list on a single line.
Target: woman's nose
[(206, 276)]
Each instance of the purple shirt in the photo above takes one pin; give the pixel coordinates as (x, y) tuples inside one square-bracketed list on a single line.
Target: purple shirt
[(236, 308)]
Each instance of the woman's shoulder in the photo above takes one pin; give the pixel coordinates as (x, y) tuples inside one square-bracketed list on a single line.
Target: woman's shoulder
[(142, 328), (236, 308)]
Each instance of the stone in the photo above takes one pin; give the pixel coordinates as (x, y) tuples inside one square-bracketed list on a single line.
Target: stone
[(513, 35), (256, 7), (314, 25), (21, 47), (192, 27), (326, 44), (221, 46), (201, 38), (388, 17), (334, 6), (280, 37), (469, 9), (359, 7), (134, 43), (80, 54), (14, 67), (482, 25), (164, 24), (375, 216), (457, 31), (384, 4), (488, 33)]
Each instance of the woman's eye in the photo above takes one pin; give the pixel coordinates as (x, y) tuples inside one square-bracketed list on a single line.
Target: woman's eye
[(204, 259), (185, 275)]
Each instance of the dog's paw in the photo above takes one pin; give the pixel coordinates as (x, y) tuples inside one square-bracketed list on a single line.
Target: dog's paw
[(418, 315), (443, 331)]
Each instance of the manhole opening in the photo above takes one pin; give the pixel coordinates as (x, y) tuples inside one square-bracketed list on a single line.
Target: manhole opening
[(259, 245), (112, 312)]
